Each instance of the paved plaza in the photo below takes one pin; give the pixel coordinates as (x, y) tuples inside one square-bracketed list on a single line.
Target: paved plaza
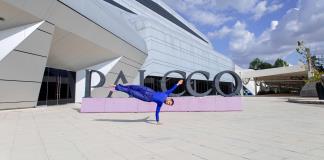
[(267, 129)]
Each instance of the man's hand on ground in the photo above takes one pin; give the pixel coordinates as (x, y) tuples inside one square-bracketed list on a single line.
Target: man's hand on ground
[(180, 82)]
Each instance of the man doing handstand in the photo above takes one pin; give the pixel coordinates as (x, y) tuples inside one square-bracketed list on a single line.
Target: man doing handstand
[(149, 95)]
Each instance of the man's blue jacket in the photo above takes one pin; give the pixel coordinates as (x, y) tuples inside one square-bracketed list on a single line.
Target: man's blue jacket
[(159, 98)]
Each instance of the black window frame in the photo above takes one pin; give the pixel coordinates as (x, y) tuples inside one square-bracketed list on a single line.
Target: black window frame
[(112, 2)]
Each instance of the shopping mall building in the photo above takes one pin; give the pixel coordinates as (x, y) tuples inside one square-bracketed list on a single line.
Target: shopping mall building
[(46, 45)]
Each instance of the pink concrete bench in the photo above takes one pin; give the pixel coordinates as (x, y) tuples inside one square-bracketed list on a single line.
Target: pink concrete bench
[(182, 104)]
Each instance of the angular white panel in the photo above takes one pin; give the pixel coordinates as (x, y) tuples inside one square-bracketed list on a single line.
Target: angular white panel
[(12, 91), (37, 43), (18, 66), (22, 68), (11, 38), (48, 27), (38, 7)]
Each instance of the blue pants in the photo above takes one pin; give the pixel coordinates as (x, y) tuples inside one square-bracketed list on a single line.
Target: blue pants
[(139, 92)]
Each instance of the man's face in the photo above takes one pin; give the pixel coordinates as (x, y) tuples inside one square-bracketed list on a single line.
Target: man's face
[(168, 102)]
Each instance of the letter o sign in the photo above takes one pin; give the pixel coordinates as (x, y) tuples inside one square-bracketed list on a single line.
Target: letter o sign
[(238, 83)]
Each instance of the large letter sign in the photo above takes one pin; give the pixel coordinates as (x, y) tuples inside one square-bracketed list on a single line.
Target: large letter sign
[(238, 83), (87, 92), (191, 91), (120, 76), (163, 82)]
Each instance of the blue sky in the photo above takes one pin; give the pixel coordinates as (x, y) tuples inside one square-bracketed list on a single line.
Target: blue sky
[(267, 29)]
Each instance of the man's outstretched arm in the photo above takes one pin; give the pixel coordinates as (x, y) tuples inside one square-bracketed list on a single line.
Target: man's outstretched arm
[(157, 112), (174, 87)]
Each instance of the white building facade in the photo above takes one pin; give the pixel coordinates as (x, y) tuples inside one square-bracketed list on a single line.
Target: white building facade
[(46, 45)]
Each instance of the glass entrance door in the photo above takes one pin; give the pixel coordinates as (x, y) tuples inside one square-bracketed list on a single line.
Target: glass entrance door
[(58, 87)]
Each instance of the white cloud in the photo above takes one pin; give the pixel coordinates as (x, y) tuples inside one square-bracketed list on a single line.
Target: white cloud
[(293, 26), (224, 31), (211, 10), (240, 5), (297, 24), (278, 40), (240, 38), (274, 24), (275, 7), (199, 11), (262, 8), (209, 18)]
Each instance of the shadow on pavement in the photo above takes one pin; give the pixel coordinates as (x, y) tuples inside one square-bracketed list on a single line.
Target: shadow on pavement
[(146, 120), (77, 109)]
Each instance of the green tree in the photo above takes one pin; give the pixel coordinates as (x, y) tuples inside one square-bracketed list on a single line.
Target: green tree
[(280, 63), (265, 65), (255, 64)]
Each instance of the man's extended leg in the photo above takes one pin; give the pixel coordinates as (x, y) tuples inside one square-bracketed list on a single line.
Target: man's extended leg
[(122, 88), (145, 91), (134, 92), (140, 88)]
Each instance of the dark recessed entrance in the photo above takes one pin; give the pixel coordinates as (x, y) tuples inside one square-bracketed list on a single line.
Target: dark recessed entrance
[(58, 87)]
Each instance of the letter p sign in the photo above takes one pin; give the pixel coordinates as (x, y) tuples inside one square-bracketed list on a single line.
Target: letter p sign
[(102, 80)]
